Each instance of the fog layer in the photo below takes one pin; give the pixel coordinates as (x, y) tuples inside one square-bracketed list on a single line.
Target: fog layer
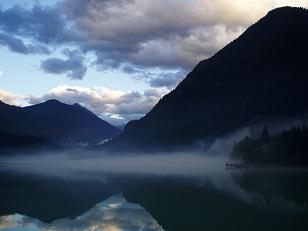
[(72, 163)]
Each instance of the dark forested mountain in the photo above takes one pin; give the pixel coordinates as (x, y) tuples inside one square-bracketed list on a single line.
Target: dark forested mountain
[(261, 74), (10, 142), (55, 121)]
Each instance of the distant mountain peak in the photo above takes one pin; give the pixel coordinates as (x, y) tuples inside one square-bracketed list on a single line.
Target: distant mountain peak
[(52, 101), (56, 121)]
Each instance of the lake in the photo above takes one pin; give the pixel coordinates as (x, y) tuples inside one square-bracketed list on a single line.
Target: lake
[(149, 195)]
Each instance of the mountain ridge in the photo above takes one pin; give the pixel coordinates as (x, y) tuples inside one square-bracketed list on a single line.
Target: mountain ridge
[(56, 121), (261, 74)]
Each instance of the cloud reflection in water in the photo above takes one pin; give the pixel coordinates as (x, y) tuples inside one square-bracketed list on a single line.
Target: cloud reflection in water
[(113, 214)]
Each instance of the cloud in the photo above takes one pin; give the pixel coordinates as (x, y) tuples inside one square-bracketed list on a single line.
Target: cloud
[(10, 98), (117, 107), (143, 34), (168, 79), (46, 24), (157, 78), (73, 66), (18, 46), (1, 73)]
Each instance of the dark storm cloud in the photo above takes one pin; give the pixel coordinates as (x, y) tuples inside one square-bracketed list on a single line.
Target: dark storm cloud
[(18, 46), (44, 24), (143, 34), (73, 66)]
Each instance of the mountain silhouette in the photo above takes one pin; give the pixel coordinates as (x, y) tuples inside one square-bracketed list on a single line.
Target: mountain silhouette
[(262, 74), (55, 121)]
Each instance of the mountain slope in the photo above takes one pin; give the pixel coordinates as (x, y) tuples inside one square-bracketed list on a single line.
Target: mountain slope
[(10, 143), (56, 121), (262, 74)]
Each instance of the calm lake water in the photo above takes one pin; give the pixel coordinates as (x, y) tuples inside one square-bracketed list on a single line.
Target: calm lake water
[(213, 200)]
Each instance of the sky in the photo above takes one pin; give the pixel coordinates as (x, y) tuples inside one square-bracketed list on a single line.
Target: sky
[(115, 57)]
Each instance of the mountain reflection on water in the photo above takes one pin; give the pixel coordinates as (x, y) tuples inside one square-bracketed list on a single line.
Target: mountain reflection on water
[(113, 214), (186, 196)]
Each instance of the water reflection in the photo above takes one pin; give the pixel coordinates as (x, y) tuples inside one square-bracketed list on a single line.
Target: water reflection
[(207, 204), (287, 186), (180, 194), (113, 214)]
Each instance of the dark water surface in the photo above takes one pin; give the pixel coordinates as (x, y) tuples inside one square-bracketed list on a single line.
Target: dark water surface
[(223, 200)]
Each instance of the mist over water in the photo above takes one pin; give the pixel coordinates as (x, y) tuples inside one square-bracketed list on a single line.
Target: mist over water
[(80, 163), (70, 164), (204, 160), (193, 182), (65, 185)]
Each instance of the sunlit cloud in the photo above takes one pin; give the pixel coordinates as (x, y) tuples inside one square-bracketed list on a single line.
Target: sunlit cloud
[(117, 107), (10, 98), (114, 106)]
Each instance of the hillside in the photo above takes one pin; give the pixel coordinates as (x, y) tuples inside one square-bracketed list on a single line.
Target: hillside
[(55, 121), (260, 75)]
